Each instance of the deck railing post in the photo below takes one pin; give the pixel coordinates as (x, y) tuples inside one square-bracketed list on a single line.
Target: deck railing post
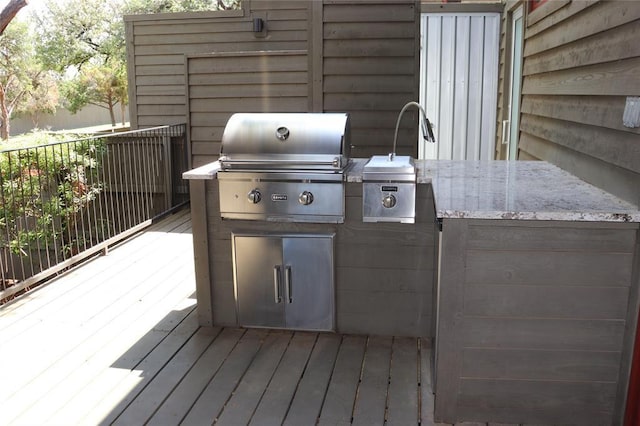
[(166, 157)]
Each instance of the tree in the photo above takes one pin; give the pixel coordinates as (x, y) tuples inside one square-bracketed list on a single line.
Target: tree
[(84, 39), (20, 74), (44, 98), (9, 12), (103, 86)]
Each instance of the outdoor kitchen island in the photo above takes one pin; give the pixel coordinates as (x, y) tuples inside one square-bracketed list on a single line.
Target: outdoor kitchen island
[(538, 295), (534, 305)]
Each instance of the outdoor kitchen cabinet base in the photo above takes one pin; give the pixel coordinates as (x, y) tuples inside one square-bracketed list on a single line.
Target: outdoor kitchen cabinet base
[(284, 281), (383, 271), (535, 321)]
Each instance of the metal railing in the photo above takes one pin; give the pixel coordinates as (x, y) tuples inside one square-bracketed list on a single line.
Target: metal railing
[(65, 201)]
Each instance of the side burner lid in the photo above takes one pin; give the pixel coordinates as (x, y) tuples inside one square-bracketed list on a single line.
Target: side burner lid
[(383, 167)]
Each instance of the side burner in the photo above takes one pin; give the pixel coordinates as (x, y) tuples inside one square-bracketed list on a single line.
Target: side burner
[(389, 189)]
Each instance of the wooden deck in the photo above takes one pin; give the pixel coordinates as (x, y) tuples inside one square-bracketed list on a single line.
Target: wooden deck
[(116, 341)]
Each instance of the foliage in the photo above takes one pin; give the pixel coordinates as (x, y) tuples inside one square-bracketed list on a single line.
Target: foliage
[(83, 40), (44, 188), (22, 77), (102, 86), (44, 98), (164, 6)]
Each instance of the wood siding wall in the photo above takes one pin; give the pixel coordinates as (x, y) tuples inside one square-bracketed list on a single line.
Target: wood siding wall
[(220, 84), (371, 69), (362, 58), (581, 61)]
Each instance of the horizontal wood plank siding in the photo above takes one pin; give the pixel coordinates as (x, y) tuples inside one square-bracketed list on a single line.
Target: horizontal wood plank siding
[(581, 62), (538, 319), (157, 45), (222, 84), (370, 69), (363, 59)]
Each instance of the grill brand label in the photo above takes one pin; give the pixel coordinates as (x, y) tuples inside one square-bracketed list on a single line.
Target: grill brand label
[(278, 197)]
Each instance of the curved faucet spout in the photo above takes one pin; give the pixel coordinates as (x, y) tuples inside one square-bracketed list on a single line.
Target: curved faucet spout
[(427, 132)]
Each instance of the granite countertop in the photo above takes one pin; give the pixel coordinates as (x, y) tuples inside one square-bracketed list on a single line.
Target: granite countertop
[(516, 190), (523, 190)]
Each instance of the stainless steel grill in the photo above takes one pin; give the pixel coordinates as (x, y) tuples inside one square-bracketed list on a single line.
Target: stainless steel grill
[(284, 167)]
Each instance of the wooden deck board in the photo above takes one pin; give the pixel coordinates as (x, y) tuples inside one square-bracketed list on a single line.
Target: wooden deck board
[(370, 405), (275, 402), (116, 341), (402, 405)]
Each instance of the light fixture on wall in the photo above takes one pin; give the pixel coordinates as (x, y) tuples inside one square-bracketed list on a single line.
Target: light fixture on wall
[(631, 115), (258, 25)]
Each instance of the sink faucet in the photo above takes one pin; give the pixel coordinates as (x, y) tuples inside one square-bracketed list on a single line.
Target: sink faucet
[(427, 131)]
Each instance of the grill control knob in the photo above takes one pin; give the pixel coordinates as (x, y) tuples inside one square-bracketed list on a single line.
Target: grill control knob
[(389, 201), (254, 196), (306, 198)]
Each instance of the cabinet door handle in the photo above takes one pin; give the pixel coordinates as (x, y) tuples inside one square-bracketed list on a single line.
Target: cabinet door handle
[(276, 283), (287, 278)]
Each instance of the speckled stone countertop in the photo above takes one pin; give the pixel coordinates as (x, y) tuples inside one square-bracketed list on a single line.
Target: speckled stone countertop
[(515, 190), (522, 190)]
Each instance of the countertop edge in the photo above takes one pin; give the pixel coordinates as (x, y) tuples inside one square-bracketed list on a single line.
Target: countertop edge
[(206, 172), (622, 217)]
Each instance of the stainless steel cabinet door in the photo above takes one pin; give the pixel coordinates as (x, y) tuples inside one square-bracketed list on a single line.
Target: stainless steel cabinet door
[(258, 281), (309, 282)]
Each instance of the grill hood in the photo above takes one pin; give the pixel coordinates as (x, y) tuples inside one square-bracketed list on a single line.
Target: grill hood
[(276, 141)]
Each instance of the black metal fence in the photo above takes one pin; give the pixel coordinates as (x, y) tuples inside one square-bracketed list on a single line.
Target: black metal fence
[(63, 202)]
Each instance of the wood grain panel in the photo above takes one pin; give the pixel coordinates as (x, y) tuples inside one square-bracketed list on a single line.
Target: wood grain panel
[(523, 301), (369, 12), (380, 257), (279, 77), (250, 45), (369, 66), (548, 268), (538, 333), (548, 236), (368, 48), (248, 91), (210, 38), (546, 402), (614, 147), (356, 31), (497, 363), (254, 104), (617, 78), (559, 17), (600, 17), (367, 84), (212, 26), (615, 44), (601, 111), (367, 102)]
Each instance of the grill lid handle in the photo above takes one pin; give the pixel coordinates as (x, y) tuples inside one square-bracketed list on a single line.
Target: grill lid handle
[(282, 133)]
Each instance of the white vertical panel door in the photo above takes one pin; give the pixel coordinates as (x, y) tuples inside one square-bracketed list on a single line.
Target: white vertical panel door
[(459, 84)]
